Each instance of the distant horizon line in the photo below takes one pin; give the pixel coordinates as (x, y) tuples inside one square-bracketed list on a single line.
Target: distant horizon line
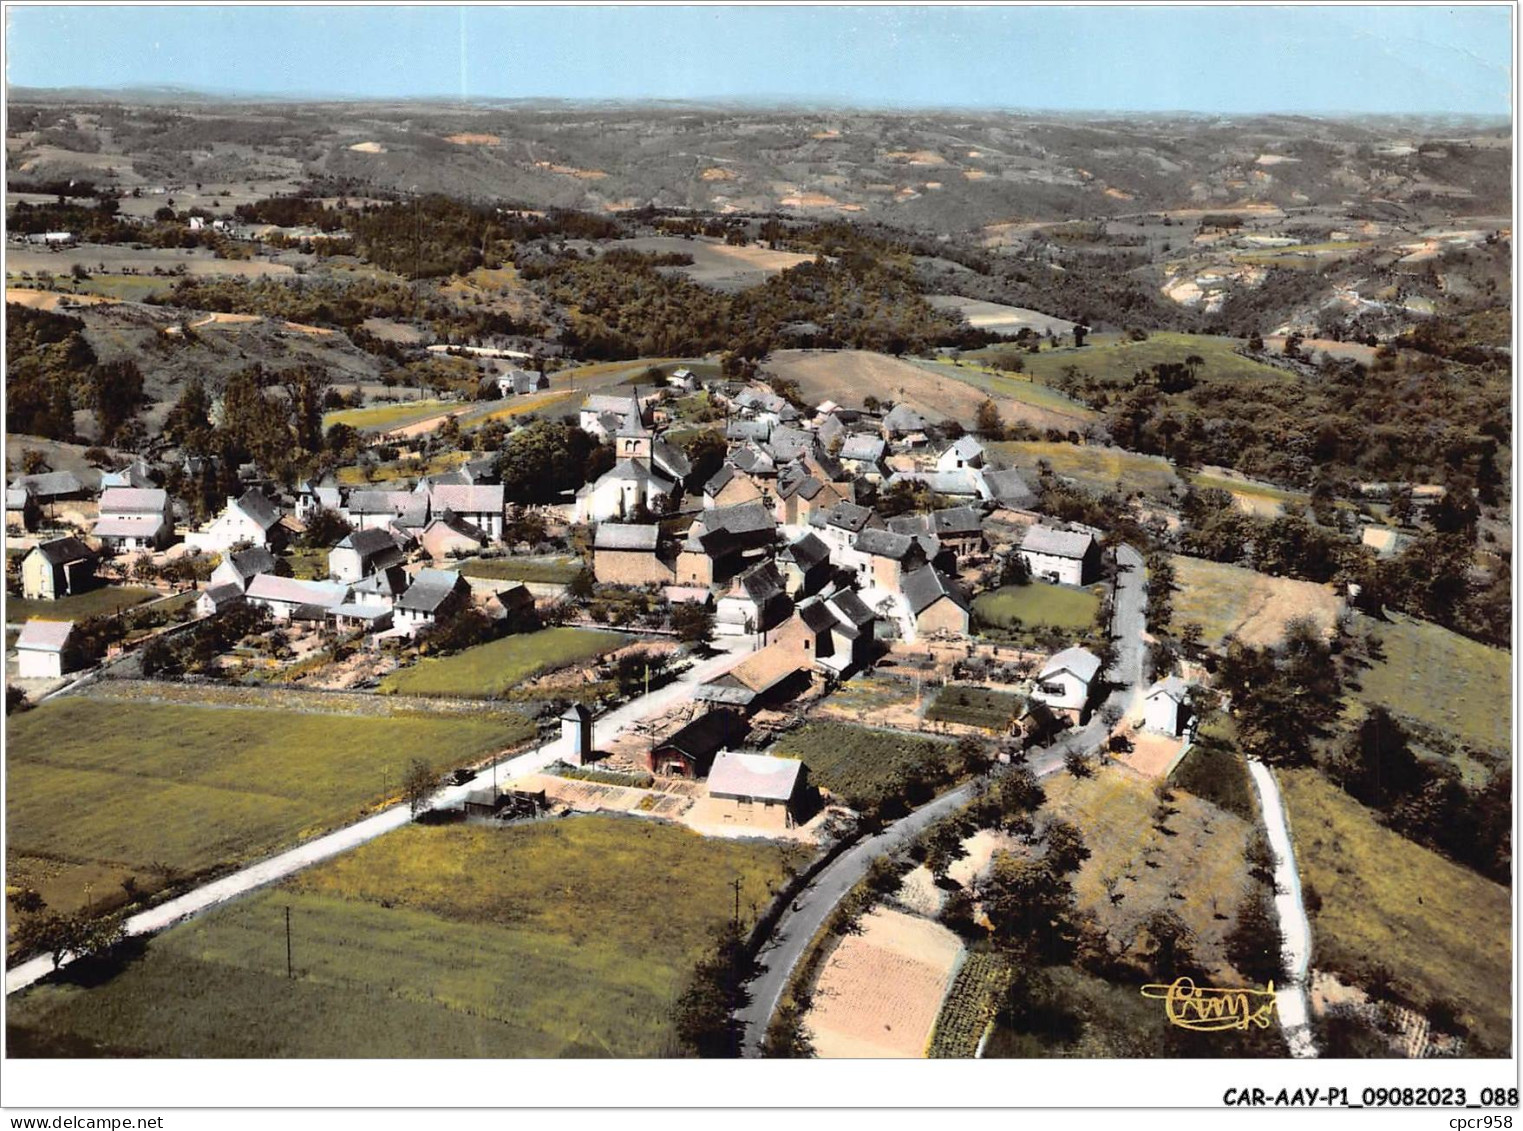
[(15, 92)]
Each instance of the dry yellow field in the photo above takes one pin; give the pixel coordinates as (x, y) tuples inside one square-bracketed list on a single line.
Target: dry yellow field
[(1254, 607), (880, 991)]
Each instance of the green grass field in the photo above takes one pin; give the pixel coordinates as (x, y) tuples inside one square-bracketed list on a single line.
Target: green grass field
[(134, 785), (489, 670), (1017, 386), (105, 600), (1108, 357), (385, 416), (1093, 467), (1442, 680), (1442, 931), (974, 706), (310, 564), (560, 939), (1039, 603), (1254, 607), (862, 764), (559, 570)]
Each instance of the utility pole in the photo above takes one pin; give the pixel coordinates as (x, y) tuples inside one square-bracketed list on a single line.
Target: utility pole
[(735, 883), (290, 970)]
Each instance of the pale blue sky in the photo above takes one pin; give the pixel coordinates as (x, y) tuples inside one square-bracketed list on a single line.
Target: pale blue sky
[(1223, 59)]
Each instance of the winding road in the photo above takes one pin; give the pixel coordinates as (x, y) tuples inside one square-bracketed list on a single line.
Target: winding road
[(283, 864), (782, 952)]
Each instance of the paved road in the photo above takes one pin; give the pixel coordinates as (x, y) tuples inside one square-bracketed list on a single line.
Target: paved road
[(1290, 1002), (278, 867), (813, 906)]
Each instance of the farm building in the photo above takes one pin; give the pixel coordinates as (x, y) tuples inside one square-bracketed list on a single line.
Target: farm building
[(729, 486), (366, 510), (135, 518), (722, 541), (433, 595), (966, 452), (1010, 489), (839, 632), (862, 454), (285, 596), (42, 649), (804, 564), (21, 510), (689, 752), (1166, 707), (53, 486), (1067, 680), (512, 603), (756, 601), (449, 536), (629, 555), (56, 569), (759, 781), (957, 530), (1065, 556), (883, 558), (777, 671), (363, 553)]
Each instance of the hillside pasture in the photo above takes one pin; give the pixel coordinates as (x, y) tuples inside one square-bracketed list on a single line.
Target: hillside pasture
[(1095, 468), (1254, 607), (715, 263), (998, 318), (1387, 905), (560, 939)]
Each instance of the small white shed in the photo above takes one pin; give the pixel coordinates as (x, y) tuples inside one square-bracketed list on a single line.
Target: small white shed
[(1166, 706), (42, 649)]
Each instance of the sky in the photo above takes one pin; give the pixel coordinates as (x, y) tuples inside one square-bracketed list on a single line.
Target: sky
[(1229, 59)]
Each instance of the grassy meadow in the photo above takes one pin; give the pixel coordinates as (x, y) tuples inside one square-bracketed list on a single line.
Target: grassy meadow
[(488, 671), (559, 570), (974, 706), (558, 939), (1383, 902), (1094, 467), (1231, 600), (115, 788), (102, 601), (1110, 357)]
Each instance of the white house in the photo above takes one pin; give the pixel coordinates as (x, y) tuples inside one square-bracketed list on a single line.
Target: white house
[(966, 452), (479, 504), (368, 510), (433, 595), (218, 596), (242, 566), (1065, 556), (604, 415), (363, 553), (1065, 681), (1166, 706), (135, 518), (42, 649), (251, 518)]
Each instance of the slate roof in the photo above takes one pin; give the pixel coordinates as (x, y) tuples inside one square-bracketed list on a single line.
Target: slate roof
[(466, 498), (51, 484), (293, 591), (867, 449), (817, 616), (630, 536), (753, 461), (885, 544), (719, 480), (1057, 543), (223, 595), (748, 430), (963, 482), (845, 516), (430, 588), (1173, 687), (927, 585), (806, 552), (134, 500), (61, 551), (45, 635), (704, 736), (252, 562), (670, 460), (1010, 488), (371, 542), (1080, 662), (799, 483), (16, 498), (852, 610), (902, 418), (788, 443), (135, 474), (404, 507), (259, 507), (754, 775), (762, 583)]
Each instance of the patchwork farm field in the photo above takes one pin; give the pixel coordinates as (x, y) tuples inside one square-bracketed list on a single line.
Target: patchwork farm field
[(487, 671), (862, 764), (1039, 603), (164, 791), (1093, 467), (559, 939), (1230, 600), (1441, 931), (104, 600)]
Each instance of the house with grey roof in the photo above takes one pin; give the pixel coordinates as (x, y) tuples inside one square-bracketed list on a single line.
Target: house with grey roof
[(629, 554), (362, 553), (936, 602), (1068, 557), (1010, 489), (482, 505), (1067, 680), (756, 601), (434, 595), (1166, 707), (804, 564), (370, 509), (241, 567), (22, 511), (962, 453), (57, 568), (285, 597), (252, 518)]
